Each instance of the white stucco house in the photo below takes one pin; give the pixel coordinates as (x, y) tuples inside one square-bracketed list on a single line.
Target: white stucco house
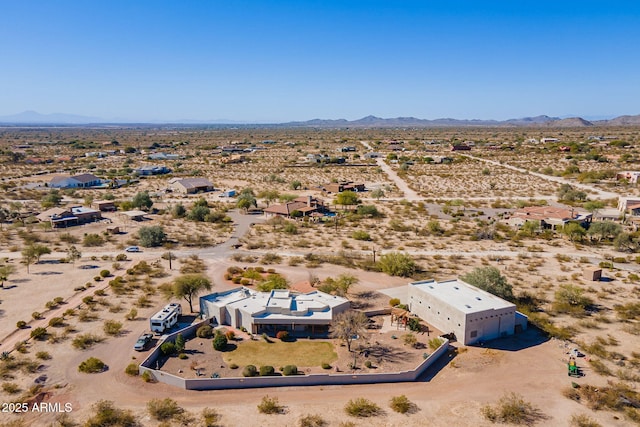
[(472, 314), (270, 312)]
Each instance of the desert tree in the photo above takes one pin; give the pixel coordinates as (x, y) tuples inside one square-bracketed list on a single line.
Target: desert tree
[(491, 280), (151, 236), (186, 286), (142, 200), (5, 271), (347, 198), (397, 264), (269, 196), (73, 254), (348, 325)]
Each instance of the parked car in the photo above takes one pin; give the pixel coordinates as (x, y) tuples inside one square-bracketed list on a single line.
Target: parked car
[(143, 342), (132, 249)]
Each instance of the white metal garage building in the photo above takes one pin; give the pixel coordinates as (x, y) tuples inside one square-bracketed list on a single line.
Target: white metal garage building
[(470, 313)]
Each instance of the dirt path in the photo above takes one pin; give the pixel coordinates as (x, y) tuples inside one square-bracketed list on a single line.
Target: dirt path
[(600, 194)]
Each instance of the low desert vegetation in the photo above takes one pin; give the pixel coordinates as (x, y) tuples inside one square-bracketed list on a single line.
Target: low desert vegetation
[(362, 408), (270, 405), (512, 409)]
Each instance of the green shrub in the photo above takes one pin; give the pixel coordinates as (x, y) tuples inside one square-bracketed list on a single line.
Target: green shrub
[(112, 327), (36, 315), (233, 366), (220, 341), (326, 365), (10, 388), (249, 371), (211, 417), (132, 314), (39, 333), (182, 356), (290, 370), (394, 301), (267, 371), (401, 404), (435, 343), (368, 364), (147, 377), (204, 331), (21, 324), (582, 420), (106, 414), (121, 257), (361, 407), (91, 366), (132, 369), (270, 405), (105, 273), (361, 235), (168, 348)]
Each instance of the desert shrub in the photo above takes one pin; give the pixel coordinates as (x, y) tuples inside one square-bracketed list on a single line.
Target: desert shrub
[(21, 324), (368, 364), (249, 371), (92, 240), (204, 331), (220, 341), (112, 327), (582, 420), (435, 343), (326, 365), (282, 335), (91, 366), (132, 314), (599, 367), (211, 417), (168, 348), (164, 409), (10, 388), (105, 273), (401, 404), (410, 339), (132, 369), (121, 257), (147, 377), (290, 370), (233, 366), (85, 341), (361, 235), (270, 405), (39, 333), (627, 311), (43, 355), (106, 414), (267, 371), (182, 356), (49, 305), (570, 299), (36, 315), (394, 301), (151, 236), (230, 335), (361, 407), (512, 409), (312, 421), (397, 264)]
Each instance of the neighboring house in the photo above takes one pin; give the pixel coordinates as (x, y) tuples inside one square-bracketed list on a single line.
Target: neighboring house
[(460, 147), (630, 176), (307, 206), (545, 140), (346, 149), (104, 205), (191, 185), (270, 312), (472, 314), (371, 155), (339, 187), (85, 180), (227, 193), (65, 217), (151, 170), (163, 156), (549, 216)]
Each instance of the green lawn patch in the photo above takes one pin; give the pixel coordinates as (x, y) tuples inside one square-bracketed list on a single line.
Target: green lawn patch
[(299, 353)]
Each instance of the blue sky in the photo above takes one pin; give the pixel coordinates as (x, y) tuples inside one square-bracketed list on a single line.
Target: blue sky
[(274, 61)]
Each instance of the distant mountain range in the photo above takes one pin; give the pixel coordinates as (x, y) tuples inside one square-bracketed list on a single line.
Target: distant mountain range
[(34, 118)]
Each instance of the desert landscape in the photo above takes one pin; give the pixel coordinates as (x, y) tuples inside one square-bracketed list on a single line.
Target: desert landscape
[(75, 289)]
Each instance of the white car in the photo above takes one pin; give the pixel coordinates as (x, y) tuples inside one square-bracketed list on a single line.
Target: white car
[(132, 249), (143, 342)]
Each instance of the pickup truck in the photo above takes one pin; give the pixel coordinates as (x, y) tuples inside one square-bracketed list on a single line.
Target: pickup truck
[(143, 342)]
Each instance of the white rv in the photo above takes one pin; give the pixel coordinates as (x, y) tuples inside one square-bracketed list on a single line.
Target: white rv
[(166, 318)]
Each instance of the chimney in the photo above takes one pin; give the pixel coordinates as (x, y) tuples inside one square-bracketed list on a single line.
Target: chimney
[(309, 201)]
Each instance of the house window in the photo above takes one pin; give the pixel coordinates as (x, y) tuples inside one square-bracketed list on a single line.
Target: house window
[(473, 334)]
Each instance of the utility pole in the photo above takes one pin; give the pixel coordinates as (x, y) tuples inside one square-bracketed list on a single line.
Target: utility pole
[(373, 249)]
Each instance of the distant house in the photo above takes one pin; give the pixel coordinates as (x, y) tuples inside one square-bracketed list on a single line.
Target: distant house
[(545, 140), (339, 187), (549, 216), (65, 217), (151, 170), (268, 141), (371, 155), (234, 158), (85, 180), (306, 206), (163, 156), (104, 205), (191, 185), (630, 176), (227, 193), (346, 149), (460, 147)]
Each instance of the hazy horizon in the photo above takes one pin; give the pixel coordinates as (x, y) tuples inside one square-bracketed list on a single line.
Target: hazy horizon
[(256, 62)]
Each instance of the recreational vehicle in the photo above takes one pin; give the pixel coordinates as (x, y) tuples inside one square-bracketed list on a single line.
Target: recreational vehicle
[(166, 318)]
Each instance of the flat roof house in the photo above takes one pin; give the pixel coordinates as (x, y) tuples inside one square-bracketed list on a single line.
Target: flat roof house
[(84, 180), (472, 314), (270, 312), (191, 185), (305, 205), (549, 216), (65, 217)]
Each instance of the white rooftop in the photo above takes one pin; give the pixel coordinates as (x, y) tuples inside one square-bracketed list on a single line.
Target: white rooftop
[(462, 296)]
